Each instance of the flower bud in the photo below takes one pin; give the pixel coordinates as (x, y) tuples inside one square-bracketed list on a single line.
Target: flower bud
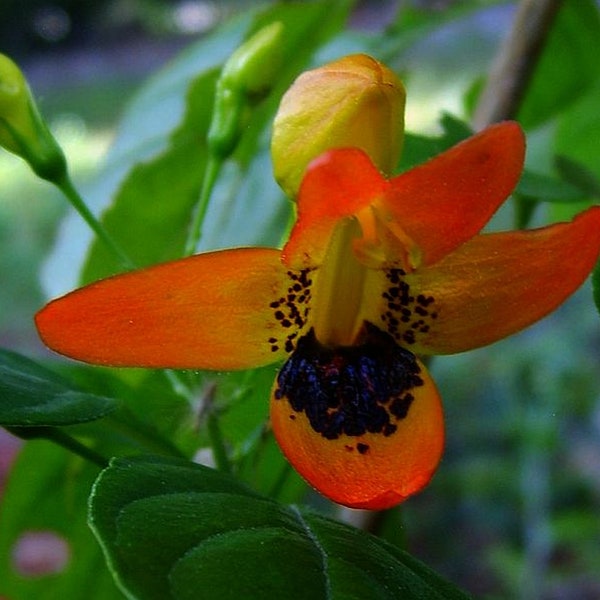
[(352, 102), (22, 129), (248, 74)]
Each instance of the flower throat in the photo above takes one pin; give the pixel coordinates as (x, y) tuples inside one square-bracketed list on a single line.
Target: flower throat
[(350, 390)]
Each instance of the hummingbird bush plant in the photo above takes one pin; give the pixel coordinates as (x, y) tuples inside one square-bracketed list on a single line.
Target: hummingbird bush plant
[(326, 310)]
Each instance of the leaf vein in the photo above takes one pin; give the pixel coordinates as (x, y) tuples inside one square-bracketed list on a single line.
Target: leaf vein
[(315, 540)]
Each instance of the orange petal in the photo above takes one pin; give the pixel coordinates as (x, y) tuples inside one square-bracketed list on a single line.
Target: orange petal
[(498, 284), (209, 311), (446, 201), (337, 184), (368, 470)]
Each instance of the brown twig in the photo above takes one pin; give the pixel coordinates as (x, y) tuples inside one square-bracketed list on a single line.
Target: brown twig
[(515, 63)]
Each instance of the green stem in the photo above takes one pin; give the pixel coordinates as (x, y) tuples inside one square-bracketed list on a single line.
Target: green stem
[(281, 480), (65, 185), (217, 443), (177, 384), (58, 436), (213, 166)]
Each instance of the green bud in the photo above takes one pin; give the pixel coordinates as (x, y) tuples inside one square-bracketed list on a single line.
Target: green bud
[(246, 76), (22, 129)]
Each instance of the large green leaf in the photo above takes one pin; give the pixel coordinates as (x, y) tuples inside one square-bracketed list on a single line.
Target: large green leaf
[(173, 529), (33, 396)]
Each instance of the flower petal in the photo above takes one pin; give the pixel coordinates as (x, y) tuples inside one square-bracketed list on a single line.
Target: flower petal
[(456, 193), (370, 471), (209, 311), (339, 183), (498, 284)]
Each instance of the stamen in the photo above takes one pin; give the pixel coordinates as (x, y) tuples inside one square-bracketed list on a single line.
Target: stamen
[(350, 390), (406, 316), (291, 311)]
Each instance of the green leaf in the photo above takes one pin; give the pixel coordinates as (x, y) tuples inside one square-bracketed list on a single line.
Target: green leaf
[(579, 176), (171, 529), (32, 396), (420, 148), (545, 188), (151, 211), (47, 492), (578, 134), (568, 65)]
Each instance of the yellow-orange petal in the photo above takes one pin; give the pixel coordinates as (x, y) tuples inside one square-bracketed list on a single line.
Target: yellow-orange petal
[(337, 184), (210, 311), (447, 200), (369, 471), (497, 284)]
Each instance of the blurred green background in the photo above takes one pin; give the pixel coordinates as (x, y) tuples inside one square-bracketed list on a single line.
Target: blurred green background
[(514, 511)]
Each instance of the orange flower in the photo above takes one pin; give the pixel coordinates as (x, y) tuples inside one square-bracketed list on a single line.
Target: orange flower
[(376, 272)]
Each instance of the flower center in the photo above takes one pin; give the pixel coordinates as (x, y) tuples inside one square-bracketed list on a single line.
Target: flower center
[(350, 390), (338, 297)]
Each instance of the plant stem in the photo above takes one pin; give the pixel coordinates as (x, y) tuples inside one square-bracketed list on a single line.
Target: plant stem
[(213, 166), (515, 63), (58, 436), (65, 185), (281, 480), (217, 443)]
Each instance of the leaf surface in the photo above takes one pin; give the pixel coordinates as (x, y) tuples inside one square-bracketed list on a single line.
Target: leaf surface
[(33, 396), (176, 530)]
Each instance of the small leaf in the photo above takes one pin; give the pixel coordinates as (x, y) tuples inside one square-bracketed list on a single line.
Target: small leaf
[(31, 395), (172, 528), (420, 148), (545, 188), (579, 176)]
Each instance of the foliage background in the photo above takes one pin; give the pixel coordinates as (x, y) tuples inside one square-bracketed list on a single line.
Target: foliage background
[(514, 511)]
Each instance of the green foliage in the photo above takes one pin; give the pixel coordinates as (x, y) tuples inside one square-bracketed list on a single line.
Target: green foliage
[(156, 198), (567, 67), (48, 493), (171, 529), (33, 396)]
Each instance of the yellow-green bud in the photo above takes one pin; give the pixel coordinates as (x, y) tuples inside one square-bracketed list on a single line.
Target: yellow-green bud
[(352, 102), (248, 73), (22, 129)]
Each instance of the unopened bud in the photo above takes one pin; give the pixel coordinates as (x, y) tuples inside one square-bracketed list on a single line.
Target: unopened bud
[(248, 74), (22, 129), (352, 102)]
